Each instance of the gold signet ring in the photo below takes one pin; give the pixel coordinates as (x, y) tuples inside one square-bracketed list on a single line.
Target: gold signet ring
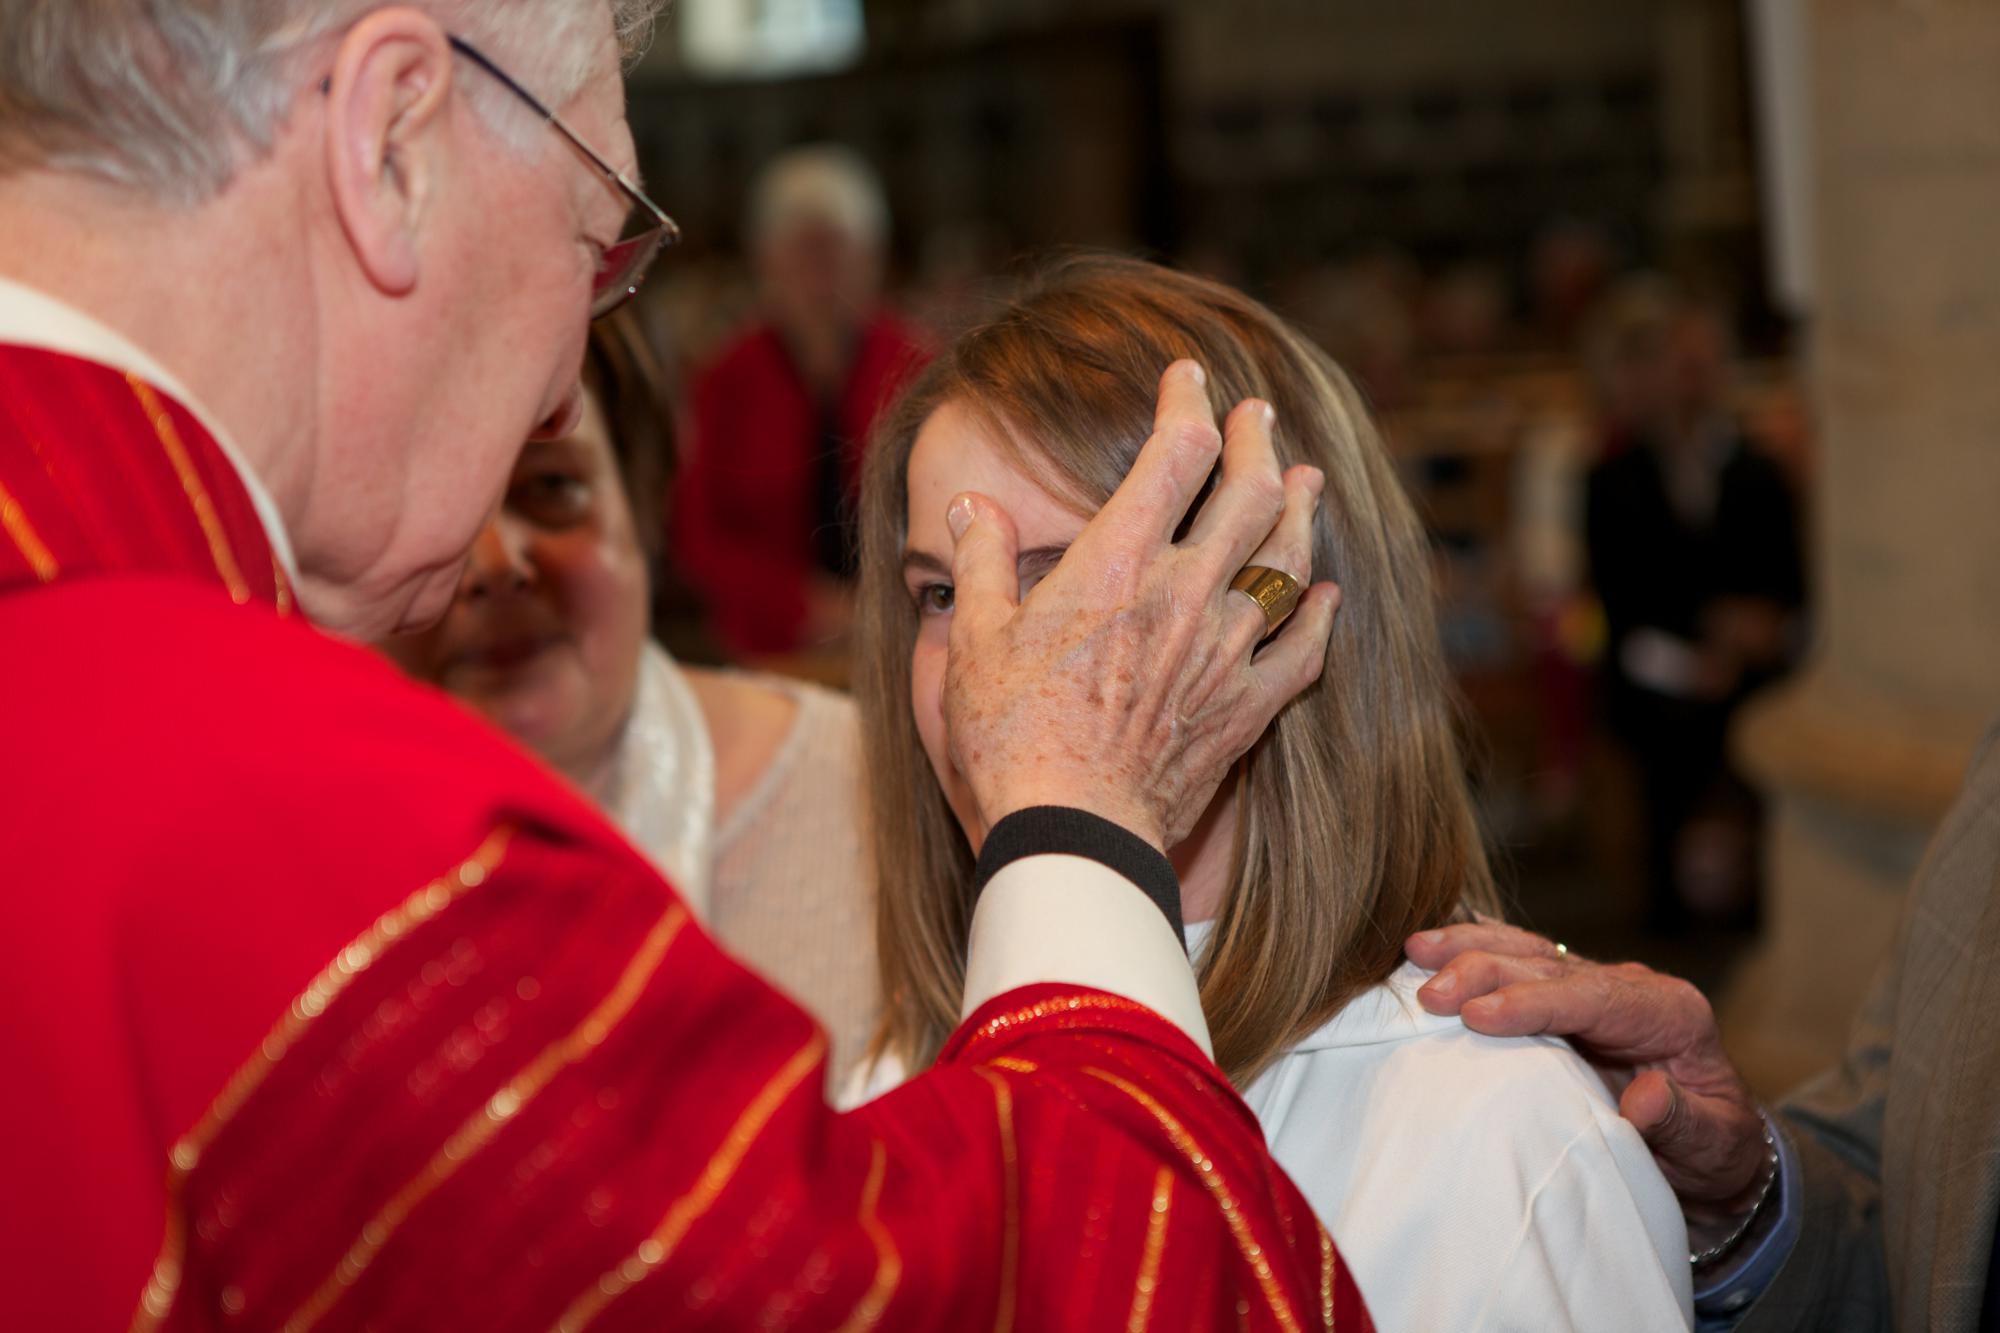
[(1275, 592)]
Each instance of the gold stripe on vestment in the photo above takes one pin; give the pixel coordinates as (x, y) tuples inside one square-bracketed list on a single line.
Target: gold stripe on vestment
[(998, 1024), (157, 1302), (690, 1207), (1326, 1278), (1149, 1262), (500, 1109), (26, 540), (1010, 1244), (197, 494), (1211, 1179), (888, 1260)]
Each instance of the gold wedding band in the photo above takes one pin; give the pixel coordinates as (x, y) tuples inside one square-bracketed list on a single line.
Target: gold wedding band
[(1275, 592)]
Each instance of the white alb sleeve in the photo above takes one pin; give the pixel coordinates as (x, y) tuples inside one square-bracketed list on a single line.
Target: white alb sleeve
[(1071, 920)]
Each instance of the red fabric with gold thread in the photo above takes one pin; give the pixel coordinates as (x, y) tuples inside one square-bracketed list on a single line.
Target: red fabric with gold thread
[(152, 493), (327, 1007)]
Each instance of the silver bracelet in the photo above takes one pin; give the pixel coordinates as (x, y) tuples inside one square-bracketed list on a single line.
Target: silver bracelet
[(1729, 1242)]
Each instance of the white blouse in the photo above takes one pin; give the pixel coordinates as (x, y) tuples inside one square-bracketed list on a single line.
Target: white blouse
[(1473, 1182), (787, 880)]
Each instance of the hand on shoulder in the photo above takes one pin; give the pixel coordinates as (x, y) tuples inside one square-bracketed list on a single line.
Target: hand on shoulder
[(1654, 1037)]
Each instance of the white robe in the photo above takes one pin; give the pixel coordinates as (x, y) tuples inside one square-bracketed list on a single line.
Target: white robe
[(1472, 1182)]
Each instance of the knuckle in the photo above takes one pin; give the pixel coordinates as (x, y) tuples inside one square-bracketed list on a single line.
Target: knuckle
[(1263, 488), (1314, 665), (1632, 973), (1295, 559), (1475, 966), (1195, 437), (1687, 997)]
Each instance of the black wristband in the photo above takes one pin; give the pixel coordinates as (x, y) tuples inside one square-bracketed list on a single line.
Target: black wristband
[(1044, 829)]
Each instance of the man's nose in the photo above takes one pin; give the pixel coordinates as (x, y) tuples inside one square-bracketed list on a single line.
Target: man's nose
[(564, 420)]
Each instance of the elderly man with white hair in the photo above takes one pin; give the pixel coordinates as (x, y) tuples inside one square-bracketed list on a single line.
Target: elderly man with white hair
[(327, 1006), (781, 413)]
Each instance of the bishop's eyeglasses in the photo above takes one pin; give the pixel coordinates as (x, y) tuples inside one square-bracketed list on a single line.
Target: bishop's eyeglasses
[(647, 230)]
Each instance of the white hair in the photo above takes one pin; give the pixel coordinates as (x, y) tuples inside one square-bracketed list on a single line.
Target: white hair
[(825, 184), (169, 96)]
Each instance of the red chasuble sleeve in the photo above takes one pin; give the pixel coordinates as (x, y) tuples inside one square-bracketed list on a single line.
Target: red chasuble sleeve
[(329, 1008)]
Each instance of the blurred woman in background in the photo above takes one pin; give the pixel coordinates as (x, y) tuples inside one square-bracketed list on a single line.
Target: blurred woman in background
[(745, 790), (1347, 828), (781, 413)]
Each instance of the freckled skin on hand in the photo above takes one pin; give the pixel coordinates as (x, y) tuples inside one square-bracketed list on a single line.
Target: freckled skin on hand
[(1124, 682)]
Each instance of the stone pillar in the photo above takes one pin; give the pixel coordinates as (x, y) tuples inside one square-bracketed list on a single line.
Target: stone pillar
[(1862, 753)]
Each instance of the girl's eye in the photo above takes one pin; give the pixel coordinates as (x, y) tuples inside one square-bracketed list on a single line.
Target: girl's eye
[(934, 599), (550, 497)]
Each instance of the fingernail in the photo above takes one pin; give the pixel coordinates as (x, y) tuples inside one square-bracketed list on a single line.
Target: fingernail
[(959, 517), (1444, 983), (1318, 482), (1486, 1006), (1270, 417), (1196, 373), (1432, 937)]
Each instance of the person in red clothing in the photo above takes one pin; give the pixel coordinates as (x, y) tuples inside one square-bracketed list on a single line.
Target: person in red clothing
[(782, 412), (329, 1007)]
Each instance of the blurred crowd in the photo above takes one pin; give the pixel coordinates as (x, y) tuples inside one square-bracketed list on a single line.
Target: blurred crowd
[(1612, 484)]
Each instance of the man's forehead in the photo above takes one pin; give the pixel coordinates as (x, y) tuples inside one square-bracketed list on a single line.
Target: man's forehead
[(610, 138), (624, 153), (596, 110)]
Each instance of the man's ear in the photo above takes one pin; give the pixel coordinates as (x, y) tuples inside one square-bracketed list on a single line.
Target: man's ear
[(387, 102)]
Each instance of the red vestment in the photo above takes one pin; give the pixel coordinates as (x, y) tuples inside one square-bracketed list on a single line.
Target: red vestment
[(744, 502), (326, 1005)]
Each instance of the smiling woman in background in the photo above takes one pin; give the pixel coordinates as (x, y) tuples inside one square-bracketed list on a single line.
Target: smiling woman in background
[(745, 790)]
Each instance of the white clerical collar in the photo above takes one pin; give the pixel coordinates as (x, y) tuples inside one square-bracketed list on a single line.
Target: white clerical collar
[(30, 318)]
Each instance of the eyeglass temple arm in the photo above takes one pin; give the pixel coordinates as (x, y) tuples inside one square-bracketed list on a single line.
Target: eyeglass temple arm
[(611, 173)]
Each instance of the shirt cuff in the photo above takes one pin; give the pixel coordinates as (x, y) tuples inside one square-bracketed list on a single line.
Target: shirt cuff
[(1725, 1292), (1073, 921), (1058, 828)]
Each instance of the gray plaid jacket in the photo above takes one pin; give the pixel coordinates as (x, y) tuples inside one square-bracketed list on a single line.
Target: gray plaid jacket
[(1899, 1146)]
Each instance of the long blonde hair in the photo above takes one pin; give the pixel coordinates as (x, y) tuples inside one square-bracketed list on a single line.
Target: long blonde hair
[(1355, 826)]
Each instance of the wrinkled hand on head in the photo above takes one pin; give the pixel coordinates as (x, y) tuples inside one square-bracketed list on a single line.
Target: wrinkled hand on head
[(1131, 678)]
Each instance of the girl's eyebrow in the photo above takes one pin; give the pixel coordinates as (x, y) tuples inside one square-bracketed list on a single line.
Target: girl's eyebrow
[(1038, 558)]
